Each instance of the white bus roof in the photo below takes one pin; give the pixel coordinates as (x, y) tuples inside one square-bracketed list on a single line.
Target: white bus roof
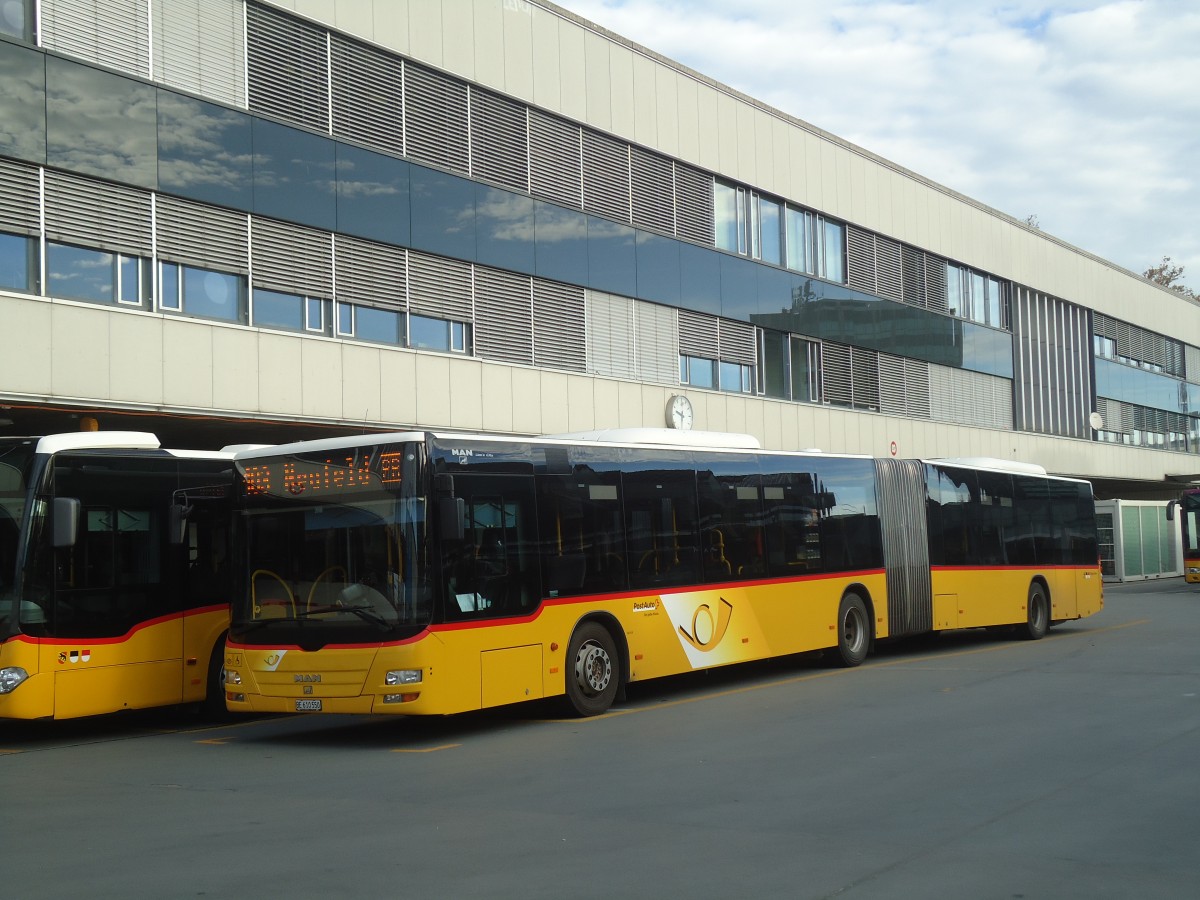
[(118, 440)]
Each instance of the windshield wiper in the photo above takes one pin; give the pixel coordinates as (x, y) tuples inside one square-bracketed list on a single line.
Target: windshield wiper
[(367, 615)]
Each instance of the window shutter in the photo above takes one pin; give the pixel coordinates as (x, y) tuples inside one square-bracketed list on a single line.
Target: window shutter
[(555, 164), (370, 274), (114, 33), (435, 122), (503, 316), (738, 342), (657, 346), (499, 140), (860, 259), (202, 235), (287, 65), (888, 268), (605, 176), (698, 335), (97, 214), (20, 199), (291, 258), (835, 374), (440, 287), (199, 47), (693, 205), (368, 95), (610, 335), (559, 330), (653, 189)]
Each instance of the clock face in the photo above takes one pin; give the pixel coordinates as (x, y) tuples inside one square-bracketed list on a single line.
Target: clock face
[(679, 412)]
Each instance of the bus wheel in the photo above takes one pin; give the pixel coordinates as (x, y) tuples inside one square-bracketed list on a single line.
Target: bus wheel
[(1038, 618), (854, 631), (593, 674), (213, 706)]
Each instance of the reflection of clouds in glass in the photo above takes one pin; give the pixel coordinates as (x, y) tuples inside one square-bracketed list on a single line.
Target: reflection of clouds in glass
[(102, 125), (356, 189), (506, 217), (216, 288), (561, 225), (200, 145), (23, 126)]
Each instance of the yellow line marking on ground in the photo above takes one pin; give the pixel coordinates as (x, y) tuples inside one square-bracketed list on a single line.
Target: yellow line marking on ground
[(731, 692), (4, 751), (214, 741), (425, 749)]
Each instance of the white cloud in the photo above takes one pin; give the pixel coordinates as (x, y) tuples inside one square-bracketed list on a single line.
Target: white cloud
[(1086, 114)]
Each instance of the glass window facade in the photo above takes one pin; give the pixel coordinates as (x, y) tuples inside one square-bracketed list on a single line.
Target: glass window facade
[(18, 263), (79, 273), (203, 293), (427, 333), (22, 102)]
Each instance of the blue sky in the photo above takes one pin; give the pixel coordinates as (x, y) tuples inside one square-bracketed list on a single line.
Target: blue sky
[(1085, 114)]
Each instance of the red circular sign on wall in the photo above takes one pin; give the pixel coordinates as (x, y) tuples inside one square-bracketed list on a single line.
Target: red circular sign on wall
[(894, 448)]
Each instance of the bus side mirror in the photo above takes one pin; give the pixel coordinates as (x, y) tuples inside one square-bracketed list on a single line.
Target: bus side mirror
[(1171, 510), (177, 518), (452, 511), (66, 521)]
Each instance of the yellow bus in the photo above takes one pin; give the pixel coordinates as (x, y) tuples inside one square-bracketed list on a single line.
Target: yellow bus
[(113, 574), (1188, 505), (417, 573)]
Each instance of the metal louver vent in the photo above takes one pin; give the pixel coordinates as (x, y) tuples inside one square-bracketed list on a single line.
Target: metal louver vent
[(693, 205), (202, 235), (699, 334), (610, 335), (287, 68), (290, 258), (198, 47), (499, 140), (916, 388), (440, 287), (935, 283), (835, 374), (97, 214), (503, 316), (113, 33), (555, 164), (888, 269), (865, 378), (914, 276), (370, 274), (893, 399), (653, 191), (368, 95), (559, 335), (605, 176), (20, 198), (436, 118), (737, 341), (970, 398), (860, 259), (1191, 363), (657, 348)]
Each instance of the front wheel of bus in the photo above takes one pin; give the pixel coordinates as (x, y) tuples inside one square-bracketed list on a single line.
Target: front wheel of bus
[(593, 670), (213, 707), (854, 631), (1038, 614)]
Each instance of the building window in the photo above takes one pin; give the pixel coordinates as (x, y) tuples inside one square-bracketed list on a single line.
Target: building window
[(200, 292), (16, 19), (273, 309), (735, 377), (368, 323), (18, 263), (698, 371), (79, 273), (975, 296), (815, 245), (748, 223), (448, 336)]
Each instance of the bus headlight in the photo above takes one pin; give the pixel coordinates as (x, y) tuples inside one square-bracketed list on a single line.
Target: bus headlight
[(232, 677), (11, 678), (402, 676)]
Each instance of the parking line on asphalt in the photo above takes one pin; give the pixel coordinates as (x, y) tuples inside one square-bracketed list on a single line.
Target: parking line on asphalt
[(425, 749)]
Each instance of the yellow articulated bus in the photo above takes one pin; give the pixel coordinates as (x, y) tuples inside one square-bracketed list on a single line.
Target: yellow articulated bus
[(417, 573), (113, 574)]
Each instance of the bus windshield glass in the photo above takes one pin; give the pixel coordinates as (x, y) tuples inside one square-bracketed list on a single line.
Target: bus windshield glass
[(333, 548), (1190, 509), (16, 461)]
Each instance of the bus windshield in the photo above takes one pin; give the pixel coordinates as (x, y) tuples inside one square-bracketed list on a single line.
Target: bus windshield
[(16, 461), (341, 562)]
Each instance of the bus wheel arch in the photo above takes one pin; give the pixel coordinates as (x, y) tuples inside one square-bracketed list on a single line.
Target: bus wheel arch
[(855, 627), (1037, 611), (596, 665), (213, 705)]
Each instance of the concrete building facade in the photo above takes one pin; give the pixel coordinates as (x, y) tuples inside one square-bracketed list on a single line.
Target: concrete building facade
[(235, 220)]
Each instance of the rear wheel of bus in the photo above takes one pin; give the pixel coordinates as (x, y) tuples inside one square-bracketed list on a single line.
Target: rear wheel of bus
[(593, 670), (853, 631), (1037, 621)]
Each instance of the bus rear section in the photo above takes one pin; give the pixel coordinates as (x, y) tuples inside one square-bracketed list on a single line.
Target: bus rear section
[(116, 575)]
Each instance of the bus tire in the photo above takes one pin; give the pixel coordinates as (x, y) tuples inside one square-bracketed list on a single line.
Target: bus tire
[(853, 631), (593, 670), (1037, 620), (213, 707)]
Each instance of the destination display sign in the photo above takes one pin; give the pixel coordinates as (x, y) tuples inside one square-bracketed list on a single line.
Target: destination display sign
[(336, 473)]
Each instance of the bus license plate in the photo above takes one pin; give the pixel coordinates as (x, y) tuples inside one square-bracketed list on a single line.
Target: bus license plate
[(308, 706)]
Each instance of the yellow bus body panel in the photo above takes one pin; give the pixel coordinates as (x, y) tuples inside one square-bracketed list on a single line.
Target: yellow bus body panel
[(491, 663), (72, 677), (976, 598)]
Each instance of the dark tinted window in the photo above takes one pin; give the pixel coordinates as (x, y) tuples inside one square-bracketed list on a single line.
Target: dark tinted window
[(995, 522), (22, 103), (699, 279), (657, 268), (294, 175), (562, 251), (372, 195), (731, 520), (952, 502), (443, 213), (204, 151), (504, 229), (612, 263), (583, 550), (739, 287), (101, 123), (661, 525)]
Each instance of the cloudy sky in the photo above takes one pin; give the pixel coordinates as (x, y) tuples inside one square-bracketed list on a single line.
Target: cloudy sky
[(1083, 113)]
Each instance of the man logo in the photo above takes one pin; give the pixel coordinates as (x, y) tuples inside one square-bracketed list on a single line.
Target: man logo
[(707, 631)]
